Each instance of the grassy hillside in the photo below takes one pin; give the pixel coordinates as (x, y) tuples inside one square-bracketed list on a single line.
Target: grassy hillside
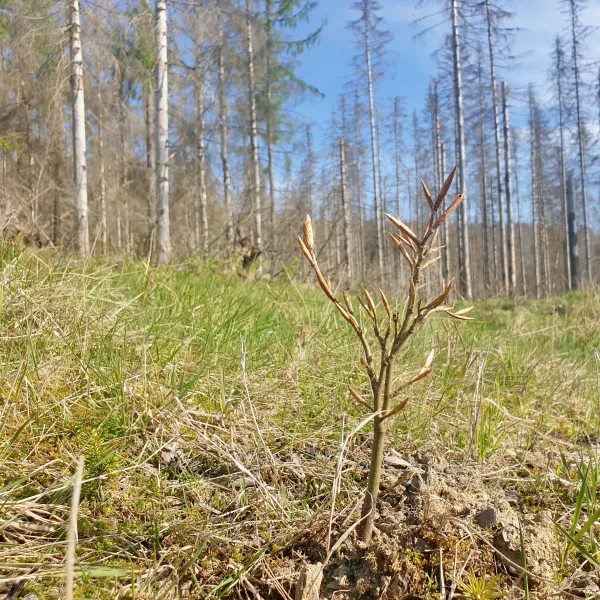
[(210, 411)]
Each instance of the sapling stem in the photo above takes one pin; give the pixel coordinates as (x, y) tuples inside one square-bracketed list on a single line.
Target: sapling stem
[(394, 332)]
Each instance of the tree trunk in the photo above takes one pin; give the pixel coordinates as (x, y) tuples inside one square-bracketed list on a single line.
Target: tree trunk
[(542, 205), (573, 247), (202, 208), (374, 153), (150, 115), (398, 161), (465, 266), (162, 137), (519, 219), (563, 175), (57, 179), (359, 190), (256, 199), (79, 150), (345, 209), (445, 235), (581, 142), (510, 229), (504, 259), (223, 125), (484, 184), (534, 204), (103, 224), (270, 133)]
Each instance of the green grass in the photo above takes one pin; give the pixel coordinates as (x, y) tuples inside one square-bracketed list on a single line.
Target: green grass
[(116, 361)]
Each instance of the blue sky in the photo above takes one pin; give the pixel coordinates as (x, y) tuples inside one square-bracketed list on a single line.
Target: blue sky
[(411, 64)]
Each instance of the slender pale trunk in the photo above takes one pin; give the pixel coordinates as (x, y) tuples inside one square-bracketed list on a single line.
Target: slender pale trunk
[(223, 126), (484, 209), (359, 189), (563, 175), (398, 161), (103, 224), (445, 234), (374, 152), (465, 263), (151, 155), (504, 258), (510, 229), (519, 219), (270, 126), (573, 246), (542, 204), (58, 154), (345, 208), (79, 150), (581, 142), (256, 199), (484, 184), (162, 137), (534, 203), (382, 197), (201, 224)]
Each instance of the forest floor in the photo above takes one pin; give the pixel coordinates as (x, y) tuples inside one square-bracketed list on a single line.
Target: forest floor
[(213, 417)]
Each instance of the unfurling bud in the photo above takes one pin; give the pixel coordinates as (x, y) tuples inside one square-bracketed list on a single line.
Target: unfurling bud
[(309, 236), (427, 196), (444, 190), (450, 209), (403, 227)]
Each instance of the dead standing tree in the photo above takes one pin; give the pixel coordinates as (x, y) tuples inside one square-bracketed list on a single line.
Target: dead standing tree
[(393, 332)]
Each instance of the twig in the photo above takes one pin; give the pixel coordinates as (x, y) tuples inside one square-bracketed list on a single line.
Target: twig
[(72, 535)]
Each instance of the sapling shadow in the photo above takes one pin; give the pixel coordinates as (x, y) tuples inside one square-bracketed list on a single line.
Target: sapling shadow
[(393, 331)]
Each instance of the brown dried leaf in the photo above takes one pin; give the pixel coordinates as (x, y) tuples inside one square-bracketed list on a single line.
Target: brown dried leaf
[(348, 303), (386, 304), (450, 209), (444, 190), (430, 262), (427, 195), (359, 398), (398, 408), (403, 227), (441, 298), (309, 235)]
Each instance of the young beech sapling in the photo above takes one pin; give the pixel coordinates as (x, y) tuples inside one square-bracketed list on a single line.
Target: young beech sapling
[(393, 331)]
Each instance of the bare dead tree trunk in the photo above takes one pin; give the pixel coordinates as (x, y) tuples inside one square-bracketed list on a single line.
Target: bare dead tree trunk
[(573, 246), (201, 224), (79, 143), (270, 126), (504, 260), (162, 137), (465, 266), (534, 203), (519, 218), (510, 229), (374, 153), (223, 126), (445, 234), (484, 184), (542, 204), (103, 223), (359, 189), (581, 142), (398, 161), (563, 175), (253, 135), (150, 115), (57, 179), (345, 208)]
